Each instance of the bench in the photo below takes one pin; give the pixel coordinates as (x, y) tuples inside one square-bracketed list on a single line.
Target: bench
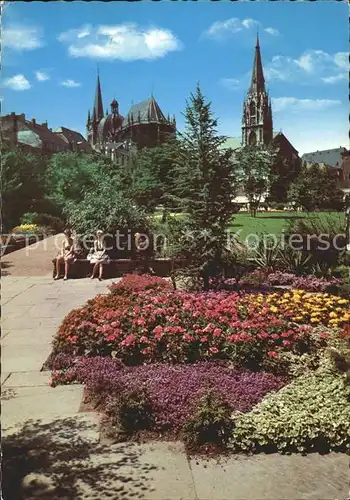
[(115, 268)]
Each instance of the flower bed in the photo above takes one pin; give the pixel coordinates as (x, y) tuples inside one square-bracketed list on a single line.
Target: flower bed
[(172, 390), (305, 307), (171, 361), (175, 326)]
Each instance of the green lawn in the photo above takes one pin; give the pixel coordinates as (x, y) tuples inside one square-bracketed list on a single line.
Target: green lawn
[(243, 224), (272, 222)]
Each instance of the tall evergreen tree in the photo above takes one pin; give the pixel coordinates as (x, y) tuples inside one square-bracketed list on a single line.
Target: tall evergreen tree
[(204, 174)]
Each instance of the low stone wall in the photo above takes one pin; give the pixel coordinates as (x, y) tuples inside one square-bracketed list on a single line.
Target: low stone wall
[(115, 268), (16, 243)]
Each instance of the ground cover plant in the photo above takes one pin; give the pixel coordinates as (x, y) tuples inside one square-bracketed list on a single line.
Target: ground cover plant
[(155, 359)]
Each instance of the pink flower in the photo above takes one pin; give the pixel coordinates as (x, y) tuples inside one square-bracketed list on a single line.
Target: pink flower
[(217, 332), (286, 342), (111, 337), (204, 339), (130, 339), (187, 337), (324, 335), (213, 350), (144, 339), (272, 354), (140, 321), (115, 324)]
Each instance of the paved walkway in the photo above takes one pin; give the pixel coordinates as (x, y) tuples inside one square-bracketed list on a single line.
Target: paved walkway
[(33, 260), (52, 450)]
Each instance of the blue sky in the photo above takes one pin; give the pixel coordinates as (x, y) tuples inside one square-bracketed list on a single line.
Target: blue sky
[(51, 52)]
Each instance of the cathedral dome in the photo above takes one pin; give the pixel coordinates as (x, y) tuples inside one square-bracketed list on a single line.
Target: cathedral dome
[(108, 126)]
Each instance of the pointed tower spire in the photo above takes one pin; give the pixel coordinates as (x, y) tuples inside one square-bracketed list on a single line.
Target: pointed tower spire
[(89, 118), (97, 114), (258, 82)]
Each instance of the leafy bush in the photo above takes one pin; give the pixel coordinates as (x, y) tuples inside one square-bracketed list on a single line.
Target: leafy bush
[(323, 240), (210, 422), (55, 223), (309, 414), (106, 209), (130, 409)]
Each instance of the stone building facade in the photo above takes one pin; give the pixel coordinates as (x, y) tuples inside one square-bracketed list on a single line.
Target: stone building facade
[(117, 136), (38, 138)]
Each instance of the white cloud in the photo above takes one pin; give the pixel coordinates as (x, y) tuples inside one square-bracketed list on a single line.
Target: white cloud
[(126, 42), (17, 82), (221, 30), (71, 35), (41, 76), (20, 38), (293, 104), (341, 59), (230, 83), (250, 23), (336, 78), (311, 66), (70, 83), (272, 31)]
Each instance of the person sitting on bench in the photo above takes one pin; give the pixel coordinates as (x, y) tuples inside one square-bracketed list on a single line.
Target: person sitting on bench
[(98, 255), (66, 255)]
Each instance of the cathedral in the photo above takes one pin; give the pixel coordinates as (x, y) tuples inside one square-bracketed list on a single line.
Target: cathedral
[(117, 136), (257, 124)]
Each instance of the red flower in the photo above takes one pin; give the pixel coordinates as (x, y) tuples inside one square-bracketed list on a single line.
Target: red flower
[(272, 354)]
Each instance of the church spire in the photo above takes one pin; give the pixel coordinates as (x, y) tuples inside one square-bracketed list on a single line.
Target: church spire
[(97, 114), (258, 83)]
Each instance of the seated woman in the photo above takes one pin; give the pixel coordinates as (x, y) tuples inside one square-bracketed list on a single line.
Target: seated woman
[(65, 255), (98, 255)]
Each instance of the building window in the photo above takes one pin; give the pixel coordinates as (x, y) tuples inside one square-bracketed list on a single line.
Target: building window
[(252, 138)]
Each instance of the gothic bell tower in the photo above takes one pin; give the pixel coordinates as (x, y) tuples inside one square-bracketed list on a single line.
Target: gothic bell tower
[(257, 112)]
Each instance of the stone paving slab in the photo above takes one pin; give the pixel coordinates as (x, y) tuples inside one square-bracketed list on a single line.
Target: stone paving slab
[(21, 403), (273, 477), (78, 467), (23, 358), (34, 336), (27, 379)]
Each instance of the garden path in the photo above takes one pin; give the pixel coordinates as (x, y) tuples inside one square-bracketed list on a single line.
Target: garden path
[(52, 450), (33, 260)]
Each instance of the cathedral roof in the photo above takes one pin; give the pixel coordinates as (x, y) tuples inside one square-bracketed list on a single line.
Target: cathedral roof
[(97, 113), (145, 112), (331, 157), (258, 82), (106, 126), (232, 142)]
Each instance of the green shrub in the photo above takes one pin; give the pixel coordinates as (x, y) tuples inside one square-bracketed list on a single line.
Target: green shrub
[(323, 239), (210, 423), (310, 414), (130, 410), (45, 220)]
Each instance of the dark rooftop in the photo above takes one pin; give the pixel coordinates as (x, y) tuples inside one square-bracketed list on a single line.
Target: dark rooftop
[(331, 157)]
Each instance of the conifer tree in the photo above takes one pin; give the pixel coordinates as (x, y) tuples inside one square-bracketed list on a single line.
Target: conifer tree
[(204, 174)]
